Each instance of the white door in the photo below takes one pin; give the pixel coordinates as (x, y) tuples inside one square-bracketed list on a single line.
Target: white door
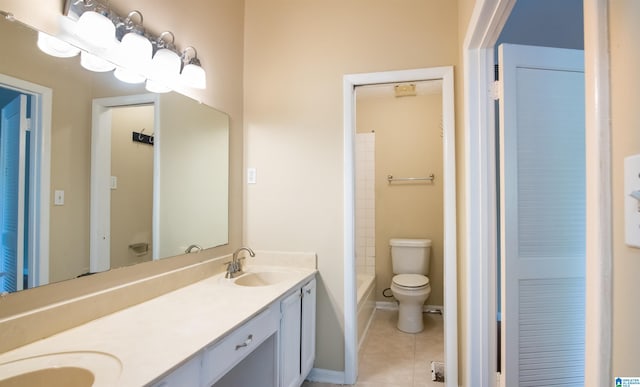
[(13, 128), (542, 189)]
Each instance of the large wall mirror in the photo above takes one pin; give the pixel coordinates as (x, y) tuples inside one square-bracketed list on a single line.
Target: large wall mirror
[(111, 199)]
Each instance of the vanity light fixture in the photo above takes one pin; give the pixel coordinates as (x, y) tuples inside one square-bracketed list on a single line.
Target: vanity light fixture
[(193, 75), (56, 47), (108, 42)]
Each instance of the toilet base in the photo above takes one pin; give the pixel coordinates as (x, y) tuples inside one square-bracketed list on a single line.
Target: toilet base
[(410, 318)]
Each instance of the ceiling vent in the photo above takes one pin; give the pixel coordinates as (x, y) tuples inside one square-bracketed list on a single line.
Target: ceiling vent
[(405, 90)]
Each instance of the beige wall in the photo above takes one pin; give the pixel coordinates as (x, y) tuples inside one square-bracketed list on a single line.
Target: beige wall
[(296, 54), (625, 121), (408, 144), (132, 199)]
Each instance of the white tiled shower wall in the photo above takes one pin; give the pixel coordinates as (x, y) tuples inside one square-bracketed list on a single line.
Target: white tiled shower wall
[(365, 204)]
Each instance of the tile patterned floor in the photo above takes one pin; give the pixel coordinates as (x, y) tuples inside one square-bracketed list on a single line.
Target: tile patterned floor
[(391, 358)]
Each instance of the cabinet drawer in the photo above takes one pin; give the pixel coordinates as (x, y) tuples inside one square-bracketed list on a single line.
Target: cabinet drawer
[(219, 358)]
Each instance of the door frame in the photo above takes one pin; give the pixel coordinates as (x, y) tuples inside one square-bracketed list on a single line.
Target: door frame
[(487, 21), (39, 176), (450, 313), (100, 208)]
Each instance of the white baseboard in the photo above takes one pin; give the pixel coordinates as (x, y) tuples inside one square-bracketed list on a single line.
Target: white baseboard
[(326, 376), (393, 305)]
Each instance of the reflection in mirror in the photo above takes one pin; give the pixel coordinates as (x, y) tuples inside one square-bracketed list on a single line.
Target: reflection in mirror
[(52, 228)]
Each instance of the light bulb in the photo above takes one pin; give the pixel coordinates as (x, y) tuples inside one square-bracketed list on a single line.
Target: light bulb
[(56, 47), (94, 63), (128, 76), (194, 76), (165, 66), (134, 57), (156, 87), (135, 50), (96, 29)]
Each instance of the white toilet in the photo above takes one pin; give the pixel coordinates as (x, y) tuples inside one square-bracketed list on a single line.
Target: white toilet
[(410, 286)]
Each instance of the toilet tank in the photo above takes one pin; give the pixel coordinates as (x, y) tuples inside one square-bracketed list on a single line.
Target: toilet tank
[(410, 256)]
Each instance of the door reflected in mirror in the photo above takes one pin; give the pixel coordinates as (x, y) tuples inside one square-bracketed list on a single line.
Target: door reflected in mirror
[(189, 196)]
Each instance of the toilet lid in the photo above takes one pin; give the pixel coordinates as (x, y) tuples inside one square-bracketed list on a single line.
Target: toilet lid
[(411, 280)]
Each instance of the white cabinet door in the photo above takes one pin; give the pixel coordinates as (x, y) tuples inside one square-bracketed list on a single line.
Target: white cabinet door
[(291, 309), (308, 339), (298, 335)]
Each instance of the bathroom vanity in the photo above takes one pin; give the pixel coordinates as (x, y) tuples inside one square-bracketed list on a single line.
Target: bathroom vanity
[(274, 348), (256, 329)]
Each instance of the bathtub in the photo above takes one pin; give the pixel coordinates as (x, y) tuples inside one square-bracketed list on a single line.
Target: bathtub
[(366, 297)]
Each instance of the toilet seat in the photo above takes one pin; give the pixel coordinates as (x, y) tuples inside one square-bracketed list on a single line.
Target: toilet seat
[(410, 281)]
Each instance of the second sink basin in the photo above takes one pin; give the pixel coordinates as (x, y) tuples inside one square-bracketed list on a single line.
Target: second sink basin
[(262, 278), (52, 377), (76, 368)]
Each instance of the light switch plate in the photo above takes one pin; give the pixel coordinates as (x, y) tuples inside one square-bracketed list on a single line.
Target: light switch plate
[(631, 204), (58, 198), (251, 176)]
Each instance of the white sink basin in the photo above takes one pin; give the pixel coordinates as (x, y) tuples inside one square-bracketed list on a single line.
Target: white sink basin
[(78, 368), (52, 377), (262, 278)]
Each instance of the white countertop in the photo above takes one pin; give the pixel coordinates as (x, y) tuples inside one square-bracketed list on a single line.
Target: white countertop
[(151, 338)]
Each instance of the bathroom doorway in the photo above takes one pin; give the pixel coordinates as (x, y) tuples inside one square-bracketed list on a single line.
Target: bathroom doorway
[(398, 134), (122, 180), (399, 194), (24, 209), (489, 18), (438, 77)]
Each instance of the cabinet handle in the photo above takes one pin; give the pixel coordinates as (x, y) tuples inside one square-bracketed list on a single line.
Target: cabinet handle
[(308, 291), (245, 343)]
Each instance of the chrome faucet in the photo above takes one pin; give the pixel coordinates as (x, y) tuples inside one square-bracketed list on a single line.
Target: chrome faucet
[(234, 267), (190, 249)]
